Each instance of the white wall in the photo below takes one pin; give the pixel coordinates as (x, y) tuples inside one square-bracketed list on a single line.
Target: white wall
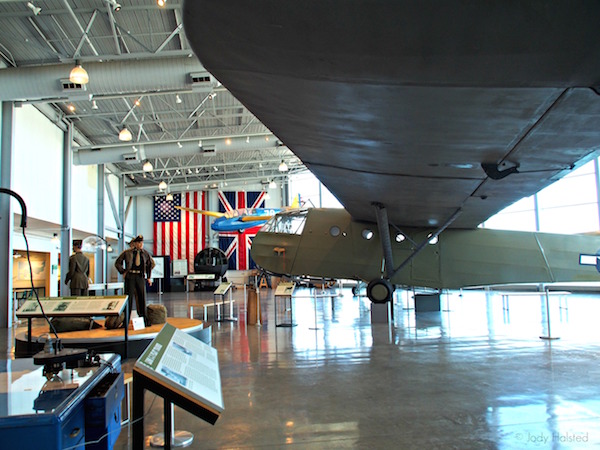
[(37, 164), (84, 198)]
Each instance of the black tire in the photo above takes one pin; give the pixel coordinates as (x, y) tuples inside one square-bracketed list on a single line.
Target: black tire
[(380, 291)]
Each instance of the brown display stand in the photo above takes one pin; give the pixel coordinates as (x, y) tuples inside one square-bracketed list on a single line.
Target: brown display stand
[(253, 313)]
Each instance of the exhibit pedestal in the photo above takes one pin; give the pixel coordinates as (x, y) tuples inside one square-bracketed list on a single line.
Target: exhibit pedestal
[(427, 303), (253, 312), (380, 312)]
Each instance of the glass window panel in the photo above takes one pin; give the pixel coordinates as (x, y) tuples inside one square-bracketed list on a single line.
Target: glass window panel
[(570, 219), (574, 190), (519, 221)]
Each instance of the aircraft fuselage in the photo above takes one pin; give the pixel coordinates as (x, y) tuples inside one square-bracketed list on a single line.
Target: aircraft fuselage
[(329, 243)]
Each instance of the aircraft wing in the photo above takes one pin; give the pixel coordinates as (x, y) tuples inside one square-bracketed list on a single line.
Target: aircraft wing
[(255, 218), (201, 211), (400, 102)]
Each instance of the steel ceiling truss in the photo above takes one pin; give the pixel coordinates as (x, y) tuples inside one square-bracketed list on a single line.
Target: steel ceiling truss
[(90, 31)]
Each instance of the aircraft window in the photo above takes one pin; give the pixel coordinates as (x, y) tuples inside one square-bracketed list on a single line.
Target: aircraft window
[(286, 223), (400, 237), (367, 234), (334, 231)]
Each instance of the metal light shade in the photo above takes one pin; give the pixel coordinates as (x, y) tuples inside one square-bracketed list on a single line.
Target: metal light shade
[(162, 185), (169, 197), (283, 167), (79, 75), (125, 134), (147, 167)]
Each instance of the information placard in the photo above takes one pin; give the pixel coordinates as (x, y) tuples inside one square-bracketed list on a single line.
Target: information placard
[(159, 269), (73, 306), (180, 267), (185, 365), (286, 288), (222, 289)]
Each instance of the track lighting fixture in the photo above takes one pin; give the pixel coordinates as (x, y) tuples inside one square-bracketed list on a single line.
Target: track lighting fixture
[(125, 134), (179, 144), (115, 6), (79, 75), (94, 104), (177, 98), (36, 9)]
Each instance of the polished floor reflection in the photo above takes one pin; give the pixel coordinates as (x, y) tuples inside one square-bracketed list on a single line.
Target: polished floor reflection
[(475, 375)]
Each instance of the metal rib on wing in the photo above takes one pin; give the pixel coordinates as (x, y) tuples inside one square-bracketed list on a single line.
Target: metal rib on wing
[(400, 102)]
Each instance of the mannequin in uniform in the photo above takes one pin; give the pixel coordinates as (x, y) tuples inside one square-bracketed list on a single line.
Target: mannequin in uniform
[(138, 266), (79, 271)]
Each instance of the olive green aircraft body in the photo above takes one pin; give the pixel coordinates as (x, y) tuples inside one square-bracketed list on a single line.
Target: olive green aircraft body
[(329, 243)]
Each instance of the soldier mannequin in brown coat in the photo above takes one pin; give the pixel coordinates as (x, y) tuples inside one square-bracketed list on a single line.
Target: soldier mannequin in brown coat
[(79, 271)]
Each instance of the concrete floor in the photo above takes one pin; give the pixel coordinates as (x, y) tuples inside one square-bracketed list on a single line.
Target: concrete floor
[(474, 376)]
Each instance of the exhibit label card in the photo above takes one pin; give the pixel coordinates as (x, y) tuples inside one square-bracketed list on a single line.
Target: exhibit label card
[(73, 306), (185, 364)]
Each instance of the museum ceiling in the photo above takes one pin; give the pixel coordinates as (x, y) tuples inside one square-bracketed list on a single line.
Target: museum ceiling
[(143, 77)]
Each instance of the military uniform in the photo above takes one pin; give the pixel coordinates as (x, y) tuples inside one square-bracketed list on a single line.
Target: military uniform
[(78, 274), (138, 267)]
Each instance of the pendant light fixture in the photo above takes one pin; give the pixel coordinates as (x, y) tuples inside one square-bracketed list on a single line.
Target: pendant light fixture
[(125, 135), (79, 75)]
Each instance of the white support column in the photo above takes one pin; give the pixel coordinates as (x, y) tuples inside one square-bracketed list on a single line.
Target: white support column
[(6, 215), (101, 272), (66, 234)]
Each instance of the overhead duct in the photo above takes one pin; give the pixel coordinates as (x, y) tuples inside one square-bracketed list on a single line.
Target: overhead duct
[(120, 152), (41, 83)]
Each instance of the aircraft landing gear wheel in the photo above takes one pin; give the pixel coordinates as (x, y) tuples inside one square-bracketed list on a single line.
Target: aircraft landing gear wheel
[(380, 291)]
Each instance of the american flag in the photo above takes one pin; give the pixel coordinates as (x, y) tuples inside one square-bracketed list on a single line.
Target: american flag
[(179, 234), (236, 245)]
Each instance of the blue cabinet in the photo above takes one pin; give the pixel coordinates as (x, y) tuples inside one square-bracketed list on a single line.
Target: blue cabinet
[(40, 410)]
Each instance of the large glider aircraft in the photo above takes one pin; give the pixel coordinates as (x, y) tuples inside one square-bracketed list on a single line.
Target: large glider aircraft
[(424, 119)]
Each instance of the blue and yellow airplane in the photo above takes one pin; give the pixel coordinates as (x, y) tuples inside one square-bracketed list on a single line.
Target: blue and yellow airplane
[(243, 218)]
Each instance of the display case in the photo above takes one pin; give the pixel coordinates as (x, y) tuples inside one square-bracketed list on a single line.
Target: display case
[(41, 408)]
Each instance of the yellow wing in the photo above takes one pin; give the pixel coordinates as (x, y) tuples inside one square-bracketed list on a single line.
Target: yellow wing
[(201, 211), (254, 218)]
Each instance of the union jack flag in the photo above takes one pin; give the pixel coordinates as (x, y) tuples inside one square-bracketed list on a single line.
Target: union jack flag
[(236, 245)]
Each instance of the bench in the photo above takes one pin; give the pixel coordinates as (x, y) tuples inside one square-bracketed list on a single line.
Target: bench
[(205, 305)]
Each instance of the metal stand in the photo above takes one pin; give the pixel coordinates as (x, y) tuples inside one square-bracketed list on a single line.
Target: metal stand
[(178, 438), (549, 337), (316, 327), (222, 292)]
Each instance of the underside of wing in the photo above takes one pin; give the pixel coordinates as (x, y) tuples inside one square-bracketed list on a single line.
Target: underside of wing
[(402, 102)]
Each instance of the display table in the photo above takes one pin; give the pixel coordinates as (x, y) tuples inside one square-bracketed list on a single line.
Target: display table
[(48, 411), (74, 307)]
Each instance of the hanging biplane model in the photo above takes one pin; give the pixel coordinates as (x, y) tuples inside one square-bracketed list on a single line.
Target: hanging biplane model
[(424, 119)]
